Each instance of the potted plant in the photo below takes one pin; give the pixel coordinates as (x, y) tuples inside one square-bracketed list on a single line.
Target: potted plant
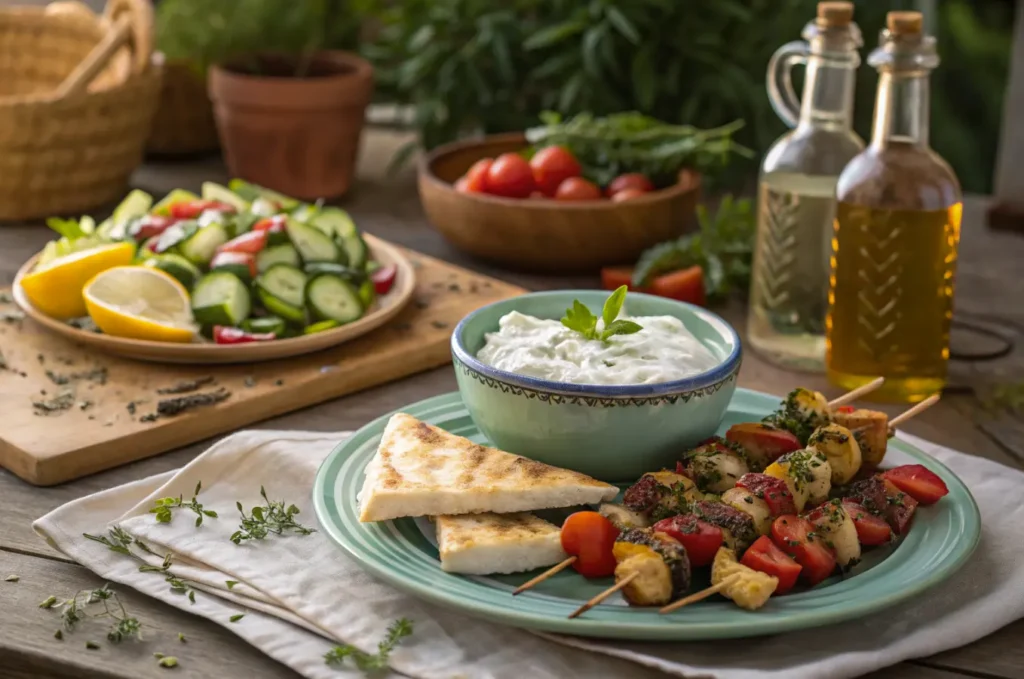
[(289, 104)]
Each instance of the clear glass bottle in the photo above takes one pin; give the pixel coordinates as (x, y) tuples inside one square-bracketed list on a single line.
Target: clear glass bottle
[(796, 192), (896, 235)]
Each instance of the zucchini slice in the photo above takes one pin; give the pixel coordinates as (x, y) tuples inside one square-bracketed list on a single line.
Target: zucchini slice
[(277, 254), (313, 245), (202, 245), (222, 194), (221, 298), (281, 288), (320, 326), (272, 324), (351, 275), (356, 250), (332, 298)]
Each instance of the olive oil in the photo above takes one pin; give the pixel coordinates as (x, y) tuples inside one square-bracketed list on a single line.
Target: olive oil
[(896, 234)]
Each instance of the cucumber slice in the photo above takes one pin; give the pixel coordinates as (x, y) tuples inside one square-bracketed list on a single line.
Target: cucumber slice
[(332, 298), (305, 212), (353, 276), (135, 204), (313, 245), (263, 207), (335, 222), (251, 192), (175, 235), (320, 327), (240, 270), (281, 288), (272, 324), (213, 191), (242, 223), (358, 253), (175, 196), (177, 266), (203, 244), (220, 298), (277, 254)]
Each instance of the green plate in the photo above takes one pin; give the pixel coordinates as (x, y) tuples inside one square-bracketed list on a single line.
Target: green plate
[(401, 553)]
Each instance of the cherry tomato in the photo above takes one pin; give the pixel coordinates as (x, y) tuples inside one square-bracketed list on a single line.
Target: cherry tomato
[(767, 444), (700, 538), (630, 180), (193, 208), (551, 166), (614, 277), (538, 195), (224, 334), (845, 409), (462, 185), (918, 482), (627, 194), (577, 188), (275, 223), (509, 176), (871, 529), (590, 537), (686, 286), (773, 491), (795, 536), (764, 556), (149, 226), (383, 278), (476, 176), (251, 242)]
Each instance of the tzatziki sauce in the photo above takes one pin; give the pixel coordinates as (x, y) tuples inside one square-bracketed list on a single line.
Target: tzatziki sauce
[(663, 351)]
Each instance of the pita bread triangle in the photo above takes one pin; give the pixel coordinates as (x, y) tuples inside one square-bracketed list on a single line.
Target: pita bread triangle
[(421, 470)]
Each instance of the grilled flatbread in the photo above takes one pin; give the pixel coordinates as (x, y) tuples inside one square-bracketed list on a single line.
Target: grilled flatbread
[(480, 544), (420, 470)]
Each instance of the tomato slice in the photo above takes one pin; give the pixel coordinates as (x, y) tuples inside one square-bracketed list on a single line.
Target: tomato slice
[(918, 482), (766, 557), (193, 208), (773, 491), (590, 537), (273, 224), (685, 286), (234, 259), (251, 242), (614, 277), (796, 537), (223, 334), (383, 278), (764, 443), (701, 539), (871, 529), (149, 226)]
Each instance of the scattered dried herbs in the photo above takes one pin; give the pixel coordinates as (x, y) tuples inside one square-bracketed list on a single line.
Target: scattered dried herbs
[(187, 386), (5, 297), (149, 417), (174, 406), (12, 578), (122, 542), (273, 517), (278, 383), (84, 405), (250, 381), (12, 316), (48, 602), (73, 611), (237, 617), (168, 661), (58, 635), (62, 401), (85, 323), (92, 645), (181, 637), (97, 375), (440, 325)]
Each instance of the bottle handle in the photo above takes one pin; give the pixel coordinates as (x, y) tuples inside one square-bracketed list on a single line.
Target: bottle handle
[(780, 81)]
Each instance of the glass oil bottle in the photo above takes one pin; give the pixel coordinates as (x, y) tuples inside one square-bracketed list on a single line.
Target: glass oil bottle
[(796, 193), (897, 230)]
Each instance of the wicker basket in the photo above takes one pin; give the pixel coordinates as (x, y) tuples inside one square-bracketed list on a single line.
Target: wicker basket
[(77, 96), (183, 123)]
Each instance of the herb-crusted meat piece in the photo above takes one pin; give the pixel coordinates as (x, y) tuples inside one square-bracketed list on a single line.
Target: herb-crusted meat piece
[(738, 530)]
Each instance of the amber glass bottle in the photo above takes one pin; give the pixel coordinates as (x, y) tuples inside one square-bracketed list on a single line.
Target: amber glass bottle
[(896, 234)]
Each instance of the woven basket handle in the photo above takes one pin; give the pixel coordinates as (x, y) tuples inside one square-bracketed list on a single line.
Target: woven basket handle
[(131, 23)]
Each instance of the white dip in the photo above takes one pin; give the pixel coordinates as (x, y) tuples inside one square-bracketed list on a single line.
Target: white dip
[(663, 351)]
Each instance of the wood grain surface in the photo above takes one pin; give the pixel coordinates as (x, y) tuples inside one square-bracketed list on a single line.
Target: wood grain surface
[(989, 286)]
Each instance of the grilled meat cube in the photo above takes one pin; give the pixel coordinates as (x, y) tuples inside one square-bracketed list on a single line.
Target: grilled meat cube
[(715, 465), (750, 589), (661, 494), (751, 505), (840, 448), (661, 563), (623, 518), (801, 413), (738, 530), (871, 430), (879, 496)]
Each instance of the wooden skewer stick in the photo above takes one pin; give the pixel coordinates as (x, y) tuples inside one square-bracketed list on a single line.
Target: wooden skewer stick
[(856, 393), (697, 596), (545, 575), (603, 595), (917, 409)]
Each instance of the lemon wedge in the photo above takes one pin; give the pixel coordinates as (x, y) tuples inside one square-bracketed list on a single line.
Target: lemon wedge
[(141, 303), (56, 288)]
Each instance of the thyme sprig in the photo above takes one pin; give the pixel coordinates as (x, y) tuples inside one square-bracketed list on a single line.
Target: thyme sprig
[(164, 505), (368, 662), (73, 611), (273, 517), (121, 542)]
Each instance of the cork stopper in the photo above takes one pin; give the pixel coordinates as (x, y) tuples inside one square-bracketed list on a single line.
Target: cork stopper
[(904, 23), (835, 13)]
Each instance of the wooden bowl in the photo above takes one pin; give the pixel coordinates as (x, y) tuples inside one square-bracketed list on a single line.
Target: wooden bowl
[(544, 234)]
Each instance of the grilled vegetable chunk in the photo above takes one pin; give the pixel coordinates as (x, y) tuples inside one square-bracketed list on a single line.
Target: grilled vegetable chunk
[(738, 531), (871, 430), (658, 495), (623, 518), (840, 448), (839, 531), (751, 505), (715, 466), (879, 496), (661, 564), (807, 474), (801, 413), (750, 590)]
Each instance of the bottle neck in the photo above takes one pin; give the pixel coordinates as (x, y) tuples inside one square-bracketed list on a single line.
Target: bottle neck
[(828, 91), (901, 109)]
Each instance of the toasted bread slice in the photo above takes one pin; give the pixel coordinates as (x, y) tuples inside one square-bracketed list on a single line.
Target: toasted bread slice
[(480, 544), (421, 470)]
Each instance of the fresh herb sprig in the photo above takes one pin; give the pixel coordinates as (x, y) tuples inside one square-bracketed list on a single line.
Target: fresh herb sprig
[(273, 517), (122, 542), (164, 505), (367, 662), (74, 611), (580, 318)]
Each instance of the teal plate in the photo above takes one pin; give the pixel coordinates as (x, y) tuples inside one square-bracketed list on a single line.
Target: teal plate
[(399, 552)]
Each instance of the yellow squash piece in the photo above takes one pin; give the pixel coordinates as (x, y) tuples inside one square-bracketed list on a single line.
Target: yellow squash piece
[(750, 589), (797, 487), (840, 448), (141, 303), (871, 429), (56, 288)]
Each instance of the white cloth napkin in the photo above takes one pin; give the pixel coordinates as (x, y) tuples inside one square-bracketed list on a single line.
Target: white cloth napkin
[(301, 594)]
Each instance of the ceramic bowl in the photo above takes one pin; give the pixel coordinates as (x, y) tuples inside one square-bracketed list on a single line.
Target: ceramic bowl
[(613, 433), (544, 234)]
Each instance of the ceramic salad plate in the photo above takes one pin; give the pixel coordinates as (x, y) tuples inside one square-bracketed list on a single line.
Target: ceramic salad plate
[(403, 553)]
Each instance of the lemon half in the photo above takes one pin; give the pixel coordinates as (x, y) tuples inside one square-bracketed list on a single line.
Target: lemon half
[(56, 289), (140, 303)]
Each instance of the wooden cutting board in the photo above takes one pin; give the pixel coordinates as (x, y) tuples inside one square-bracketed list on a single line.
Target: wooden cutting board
[(69, 411)]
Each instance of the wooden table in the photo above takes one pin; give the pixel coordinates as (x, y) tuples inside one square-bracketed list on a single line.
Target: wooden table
[(989, 284)]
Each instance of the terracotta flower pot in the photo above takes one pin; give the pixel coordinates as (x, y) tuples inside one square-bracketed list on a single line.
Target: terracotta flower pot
[(298, 136)]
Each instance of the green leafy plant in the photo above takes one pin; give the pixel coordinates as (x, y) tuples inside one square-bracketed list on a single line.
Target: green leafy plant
[(378, 661), (723, 247), (164, 505), (273, 517), (579, 318)]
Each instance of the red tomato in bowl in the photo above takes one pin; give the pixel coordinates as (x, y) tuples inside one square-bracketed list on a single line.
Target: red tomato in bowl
[(509, 176), (577, 188), (627, 194), (630, 180), (700, 538), (764, 556), (590, 537), (551, 166), (476, 176)]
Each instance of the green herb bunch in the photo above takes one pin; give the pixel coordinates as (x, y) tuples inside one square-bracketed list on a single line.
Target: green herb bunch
[(163, 507), (367, 662), (579, 318), (273, 517)]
